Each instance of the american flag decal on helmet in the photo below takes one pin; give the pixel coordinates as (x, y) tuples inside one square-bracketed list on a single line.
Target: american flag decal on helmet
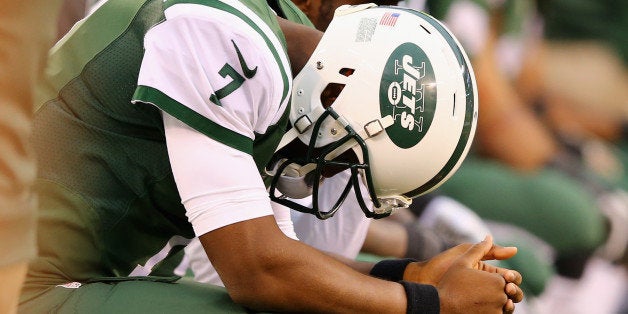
[(389, 19)]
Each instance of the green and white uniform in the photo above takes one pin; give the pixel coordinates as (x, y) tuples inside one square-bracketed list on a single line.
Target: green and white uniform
[(113, 197)]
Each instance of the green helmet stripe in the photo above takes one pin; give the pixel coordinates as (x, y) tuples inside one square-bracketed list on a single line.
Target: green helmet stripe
[(469, 111)]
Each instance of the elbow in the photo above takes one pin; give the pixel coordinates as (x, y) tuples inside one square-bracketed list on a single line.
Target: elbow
[(242, 297), (244, 294), (254, 296), (258, 291)]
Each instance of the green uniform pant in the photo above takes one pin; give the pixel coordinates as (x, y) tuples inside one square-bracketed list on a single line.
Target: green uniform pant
[(134, 296), (547, 204)]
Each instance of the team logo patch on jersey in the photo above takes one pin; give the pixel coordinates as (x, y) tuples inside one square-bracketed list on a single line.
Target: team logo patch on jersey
[(407, 92)]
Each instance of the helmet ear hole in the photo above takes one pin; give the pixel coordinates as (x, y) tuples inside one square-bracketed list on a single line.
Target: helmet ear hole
[(346, 71), (330, 93)]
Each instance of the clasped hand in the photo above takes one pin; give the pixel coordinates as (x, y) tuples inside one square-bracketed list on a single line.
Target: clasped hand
[(465, 283)]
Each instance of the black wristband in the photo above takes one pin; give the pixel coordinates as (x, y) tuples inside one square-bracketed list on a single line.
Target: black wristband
[(391, 269), (422, 299)]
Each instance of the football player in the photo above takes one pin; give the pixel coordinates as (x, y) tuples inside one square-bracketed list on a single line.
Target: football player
[(158, 117)]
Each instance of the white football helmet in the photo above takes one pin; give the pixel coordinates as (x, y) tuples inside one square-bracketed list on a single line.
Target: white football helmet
[(408, 109)]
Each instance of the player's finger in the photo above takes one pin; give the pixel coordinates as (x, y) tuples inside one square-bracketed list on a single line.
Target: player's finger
[(508, 274), (509, 307), (475, 253), (500, 252), (514, 292), (511, 275)]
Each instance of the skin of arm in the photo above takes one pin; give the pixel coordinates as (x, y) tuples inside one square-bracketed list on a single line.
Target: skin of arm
[(265, 270), (360, 266)]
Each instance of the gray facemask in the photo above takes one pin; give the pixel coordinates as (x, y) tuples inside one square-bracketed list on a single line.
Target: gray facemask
[(294, 182)]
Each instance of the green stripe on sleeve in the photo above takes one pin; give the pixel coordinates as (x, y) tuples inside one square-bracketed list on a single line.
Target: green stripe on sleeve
[(150, 95)]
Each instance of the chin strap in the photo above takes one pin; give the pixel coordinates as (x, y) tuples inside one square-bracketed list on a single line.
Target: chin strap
[(376, 127), (291, 182), (293, 170)]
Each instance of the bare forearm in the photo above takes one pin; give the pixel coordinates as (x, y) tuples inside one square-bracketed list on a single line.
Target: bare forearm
[(359, 266), (286, 275), (336, 287)]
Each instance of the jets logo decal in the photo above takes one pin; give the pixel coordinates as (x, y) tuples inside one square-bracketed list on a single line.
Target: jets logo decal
[(237, 79), (408, 93)]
